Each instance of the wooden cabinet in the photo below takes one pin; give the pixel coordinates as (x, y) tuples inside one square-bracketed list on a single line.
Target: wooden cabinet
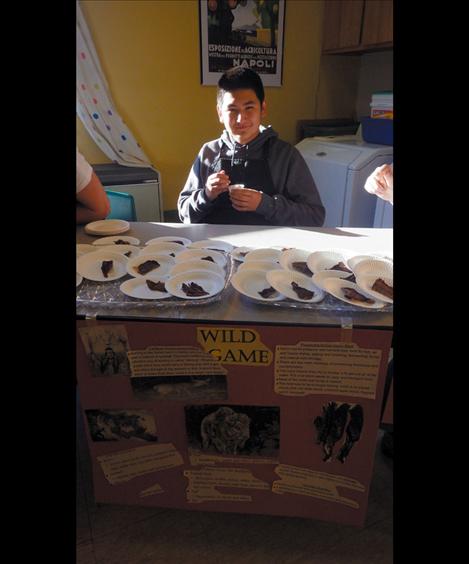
[(357, 26)]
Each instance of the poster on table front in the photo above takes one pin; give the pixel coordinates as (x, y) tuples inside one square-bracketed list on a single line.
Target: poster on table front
[(242, 32), (235, 418)]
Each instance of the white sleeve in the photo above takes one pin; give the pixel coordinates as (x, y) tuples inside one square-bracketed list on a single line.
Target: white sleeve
[(84, 172)]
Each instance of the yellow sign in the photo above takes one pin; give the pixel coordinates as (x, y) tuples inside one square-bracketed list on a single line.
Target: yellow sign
[(233, 345)]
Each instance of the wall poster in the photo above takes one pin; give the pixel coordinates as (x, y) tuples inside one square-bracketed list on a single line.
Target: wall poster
[(242, 32), (237, 418)]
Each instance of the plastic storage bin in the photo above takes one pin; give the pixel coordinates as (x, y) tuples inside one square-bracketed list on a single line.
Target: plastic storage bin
[(377, 131)]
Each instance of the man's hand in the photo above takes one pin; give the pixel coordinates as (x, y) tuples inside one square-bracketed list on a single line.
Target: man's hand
[(217, 183), (245, 199), (380, 182)]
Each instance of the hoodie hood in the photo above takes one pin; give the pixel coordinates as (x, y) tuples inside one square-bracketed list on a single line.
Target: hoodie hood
[(254, 147)]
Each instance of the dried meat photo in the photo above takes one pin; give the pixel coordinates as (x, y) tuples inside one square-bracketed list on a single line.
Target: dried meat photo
[(120, 424)]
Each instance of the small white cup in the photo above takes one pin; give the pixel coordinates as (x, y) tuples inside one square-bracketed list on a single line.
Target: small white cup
[(236, 187)]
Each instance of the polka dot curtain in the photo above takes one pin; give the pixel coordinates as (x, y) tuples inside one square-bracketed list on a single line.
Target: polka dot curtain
[(96, 109)]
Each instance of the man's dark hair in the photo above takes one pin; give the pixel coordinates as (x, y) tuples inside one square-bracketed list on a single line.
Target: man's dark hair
[(239, 78)]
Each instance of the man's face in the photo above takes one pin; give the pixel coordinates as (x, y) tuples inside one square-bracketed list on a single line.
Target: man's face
[(241, 112)]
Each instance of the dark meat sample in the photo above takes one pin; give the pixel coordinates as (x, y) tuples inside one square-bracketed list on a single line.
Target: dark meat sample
[(302, 293), (330, 427), (192, 289), (381, 287), (156, 286), (287, 248), (172, 255), (147, 266), (106, 267), (243, 254), (340, 266), (217, 250), (351, 278), (121, 242), (301, 266), (128, 253), (207, 258), (267, 292), (353, 431), (178, 242), (352, 294)]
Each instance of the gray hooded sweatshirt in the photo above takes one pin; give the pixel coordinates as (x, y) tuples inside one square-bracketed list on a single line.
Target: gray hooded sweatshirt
[(296, 202)]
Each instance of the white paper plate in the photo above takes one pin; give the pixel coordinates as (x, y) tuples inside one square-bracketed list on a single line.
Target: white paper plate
[(198, 254), (197, 264), (213, 244), (378, 267), (322, 275), (82, 249), (138, 288), (107, 227), (281, 280), (353, 261), (263, 254), (250, 282), (287, 258), (170, 239), (366, 281), (165, 261), (259, 265), (79, 279), (111, 241), (240, 252), (89, 266), (163, 248), (334, 285), (123, 249), (325, 260), (210, 282)]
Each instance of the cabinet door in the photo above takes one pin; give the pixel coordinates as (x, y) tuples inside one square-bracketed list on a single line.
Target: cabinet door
[(377, 22), (342, 24)]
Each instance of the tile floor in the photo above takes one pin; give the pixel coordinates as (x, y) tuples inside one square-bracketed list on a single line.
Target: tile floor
[(116, 534)]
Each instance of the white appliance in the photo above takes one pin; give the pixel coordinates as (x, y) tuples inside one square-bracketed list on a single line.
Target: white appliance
[(143, 183), (340, 166)]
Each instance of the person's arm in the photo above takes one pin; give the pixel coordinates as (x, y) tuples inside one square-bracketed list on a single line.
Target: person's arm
[(380, 182), (298, 202), (196, 198), (92, 202)]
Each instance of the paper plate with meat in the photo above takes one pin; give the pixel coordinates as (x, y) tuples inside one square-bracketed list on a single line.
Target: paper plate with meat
[(380, 287), (333, 259), (213, 245), (130, 251), (273, 255), (351, 293), (322, 275), (117, 241), (353, 261), (202, 254), (197, 264), (150, 264), (163, 248), (146, 288), (170, 239), (195, 284), (102, 266), (295, 286), (296, 260), (254, 284), (240, 253)]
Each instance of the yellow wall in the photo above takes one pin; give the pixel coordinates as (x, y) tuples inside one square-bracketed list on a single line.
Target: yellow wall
[(149, 52)]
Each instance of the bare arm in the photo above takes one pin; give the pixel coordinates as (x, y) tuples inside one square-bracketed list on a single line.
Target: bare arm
[(92, 202)]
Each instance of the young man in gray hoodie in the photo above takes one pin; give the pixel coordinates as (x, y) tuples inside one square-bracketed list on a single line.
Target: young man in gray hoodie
[(278, 186)]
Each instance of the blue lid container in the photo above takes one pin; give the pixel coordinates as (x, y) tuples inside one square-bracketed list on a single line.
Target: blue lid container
[(377, 131)]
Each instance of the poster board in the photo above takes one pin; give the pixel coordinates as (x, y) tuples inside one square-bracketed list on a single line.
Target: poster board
[(235, 418), (245, 33)]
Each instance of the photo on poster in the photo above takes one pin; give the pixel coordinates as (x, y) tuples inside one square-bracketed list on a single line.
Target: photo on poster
[(121, 424), (339, 423), (234, 429), (106, 347), (242, 32), (195, 388)]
